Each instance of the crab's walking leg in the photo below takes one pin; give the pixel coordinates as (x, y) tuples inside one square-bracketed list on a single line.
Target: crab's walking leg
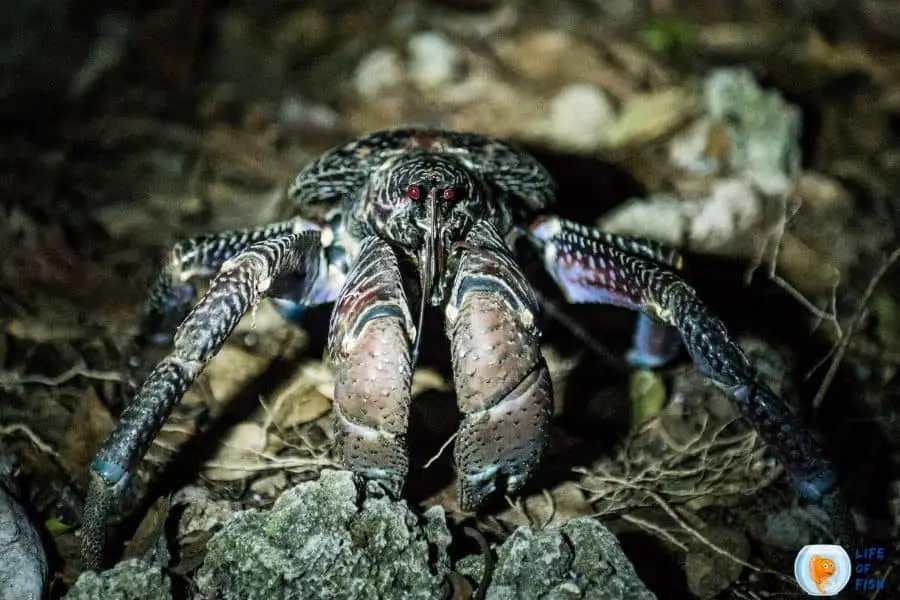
[(655, 343), (370, 345), (239, 285), (502, 382), (588, 269), (175, 287)]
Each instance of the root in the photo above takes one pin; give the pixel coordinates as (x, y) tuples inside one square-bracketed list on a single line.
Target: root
[(844, 340), (10, 380), (688, 529), (710, 464), (10, 430)]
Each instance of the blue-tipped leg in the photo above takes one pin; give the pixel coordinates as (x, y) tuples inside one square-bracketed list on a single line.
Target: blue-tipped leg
[(111, 473), (592, 266), (654, 344)]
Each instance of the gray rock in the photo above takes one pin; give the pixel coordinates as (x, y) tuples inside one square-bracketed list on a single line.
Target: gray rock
[(378, 73), (434, 60), (581, 559), (129, 580), (320, 541), (21, 553), (578, 115), (792, 528), (763, 128)]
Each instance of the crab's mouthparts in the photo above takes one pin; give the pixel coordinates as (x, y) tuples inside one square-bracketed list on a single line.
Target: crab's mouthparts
[(431, 267)]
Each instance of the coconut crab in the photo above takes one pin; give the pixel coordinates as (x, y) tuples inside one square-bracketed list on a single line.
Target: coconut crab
[(428, 217)]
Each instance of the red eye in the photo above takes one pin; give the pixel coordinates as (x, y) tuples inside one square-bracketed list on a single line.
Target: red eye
[(414, 192), (449, 194)]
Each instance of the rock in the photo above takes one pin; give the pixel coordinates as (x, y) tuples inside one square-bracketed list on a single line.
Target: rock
[(710, 573), (321, 540), (21, 553), (581, 559), (894, 509), (578, 115), (433, 60), (763, 129), (378, 72), (129, 580), (731, 221), (746, 131), (792, 528)]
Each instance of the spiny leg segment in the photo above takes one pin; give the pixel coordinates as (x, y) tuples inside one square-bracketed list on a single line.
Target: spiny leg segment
[(175, 286), (594, 267), (655, 343), (240, 284)]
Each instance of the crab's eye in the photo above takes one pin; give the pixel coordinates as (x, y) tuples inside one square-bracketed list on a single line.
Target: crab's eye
[(414, 192), (449, 194)]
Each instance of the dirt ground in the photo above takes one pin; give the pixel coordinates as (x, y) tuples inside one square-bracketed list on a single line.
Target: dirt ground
[(128, 129)]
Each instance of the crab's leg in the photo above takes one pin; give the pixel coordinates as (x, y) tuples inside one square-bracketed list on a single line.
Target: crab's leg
[(502, 383), (175, 287), (370, 342), (589, 269), (654, 343), (240, 284)]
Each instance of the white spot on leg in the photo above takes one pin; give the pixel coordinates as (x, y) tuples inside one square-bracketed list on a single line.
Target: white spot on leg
[(451, 313), (526, 318)]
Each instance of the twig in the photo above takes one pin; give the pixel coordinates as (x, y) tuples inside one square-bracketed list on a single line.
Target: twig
[(851, 328), (440, 451), (697, 534), (517, 507), (656, 529), (8, 379), (820, 314), (32, 437), (884, 578)]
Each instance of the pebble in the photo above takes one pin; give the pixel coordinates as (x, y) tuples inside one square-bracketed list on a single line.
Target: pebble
[(578, 115), (433, 60), (378, 72)]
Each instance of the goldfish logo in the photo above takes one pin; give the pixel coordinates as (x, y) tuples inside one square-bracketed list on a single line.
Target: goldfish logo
[(822, 569)]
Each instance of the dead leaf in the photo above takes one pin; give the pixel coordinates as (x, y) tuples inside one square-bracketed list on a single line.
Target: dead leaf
[(646, 117), (55, 323), (550, 508), (304, 398), (425, 380), (843, 57), (149, 530), (239, 453), (270, 486), (200, 517), (462, 589), (88, 427), (226, 375)]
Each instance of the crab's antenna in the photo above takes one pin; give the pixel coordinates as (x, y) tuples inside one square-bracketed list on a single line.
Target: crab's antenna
[(415, 353)]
